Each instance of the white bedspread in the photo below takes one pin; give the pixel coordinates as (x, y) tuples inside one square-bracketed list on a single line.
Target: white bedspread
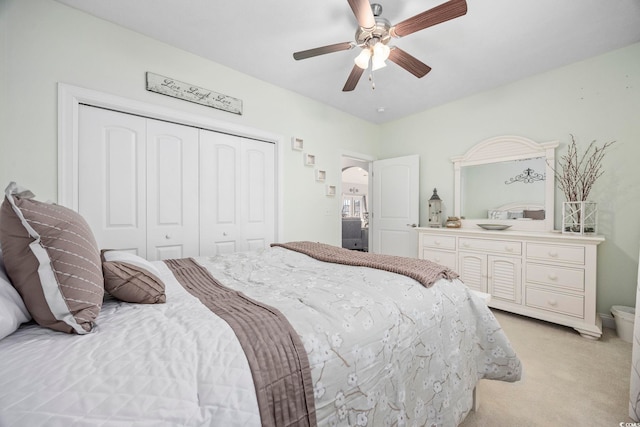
[(383, 349), (173, 364)]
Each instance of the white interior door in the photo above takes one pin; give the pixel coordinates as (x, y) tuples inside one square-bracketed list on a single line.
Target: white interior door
[(257, 195), (396, 207), (112, 178), (219, 204), (164, 190), (237, 193), (172, 190)]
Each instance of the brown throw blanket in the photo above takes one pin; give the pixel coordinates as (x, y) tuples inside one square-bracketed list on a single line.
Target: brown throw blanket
[(276, 355), (424, 271)]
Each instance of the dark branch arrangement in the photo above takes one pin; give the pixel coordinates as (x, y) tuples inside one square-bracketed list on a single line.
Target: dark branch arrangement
[(577, 174)]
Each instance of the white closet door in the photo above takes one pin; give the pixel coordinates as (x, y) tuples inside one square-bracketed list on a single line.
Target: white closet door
[(163, 190), (111, 178), (219, 202), (257, 194), (172, 191), (237, 193)]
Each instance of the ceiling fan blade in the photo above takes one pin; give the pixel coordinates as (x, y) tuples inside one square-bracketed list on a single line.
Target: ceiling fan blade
[(364, 14), (409, 62), (444, 12), (353, 78), (304, 54)]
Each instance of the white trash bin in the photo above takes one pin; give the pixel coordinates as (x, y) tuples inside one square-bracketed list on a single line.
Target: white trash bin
[(624, 317)]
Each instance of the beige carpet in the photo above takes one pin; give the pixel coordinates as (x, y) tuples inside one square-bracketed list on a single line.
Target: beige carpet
[(568, 380)]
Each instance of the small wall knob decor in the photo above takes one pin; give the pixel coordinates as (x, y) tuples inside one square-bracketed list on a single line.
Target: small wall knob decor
[(435, 210)]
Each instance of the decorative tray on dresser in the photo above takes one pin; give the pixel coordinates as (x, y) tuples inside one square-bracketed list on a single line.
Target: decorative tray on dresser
[(545, 275)]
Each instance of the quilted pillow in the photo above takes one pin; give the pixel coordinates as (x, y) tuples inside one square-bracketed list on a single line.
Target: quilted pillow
[(131, 278), (12, 309), (52, 259)]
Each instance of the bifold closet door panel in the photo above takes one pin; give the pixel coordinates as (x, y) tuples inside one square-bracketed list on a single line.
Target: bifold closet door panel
[(172, 191), (257, 194), (112, 178), (237, 193), (219, 193)]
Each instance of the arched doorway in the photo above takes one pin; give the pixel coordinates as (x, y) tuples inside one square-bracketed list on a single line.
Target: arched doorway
[(355, 209)]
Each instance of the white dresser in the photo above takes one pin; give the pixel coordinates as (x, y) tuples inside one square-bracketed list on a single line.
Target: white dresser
[(546, 275)]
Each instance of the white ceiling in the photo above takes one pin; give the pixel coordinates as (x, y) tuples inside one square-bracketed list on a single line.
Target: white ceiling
[(496, 42)]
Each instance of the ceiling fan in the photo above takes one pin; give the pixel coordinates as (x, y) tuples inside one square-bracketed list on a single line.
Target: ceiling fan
[(374, 33)]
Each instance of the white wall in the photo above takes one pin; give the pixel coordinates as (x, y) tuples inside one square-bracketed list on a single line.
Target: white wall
[(43, 42), (597, 99)]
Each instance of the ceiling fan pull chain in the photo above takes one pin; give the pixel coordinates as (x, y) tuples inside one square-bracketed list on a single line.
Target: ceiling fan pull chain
[(373, 83)]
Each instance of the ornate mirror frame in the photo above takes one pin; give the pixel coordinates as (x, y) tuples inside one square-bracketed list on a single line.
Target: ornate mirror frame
[(502, 149)]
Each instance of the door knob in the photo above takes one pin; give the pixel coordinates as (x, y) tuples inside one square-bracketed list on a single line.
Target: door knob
[(412, 225)]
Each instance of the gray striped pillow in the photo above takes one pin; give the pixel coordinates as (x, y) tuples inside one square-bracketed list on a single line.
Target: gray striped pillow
[(52, 259)]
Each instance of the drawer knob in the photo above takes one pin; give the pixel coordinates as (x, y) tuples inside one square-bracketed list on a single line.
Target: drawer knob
[(553, 277), (168, 237), (553, 254), (508, 248), (552, 302), (466, 245), (437, 242)]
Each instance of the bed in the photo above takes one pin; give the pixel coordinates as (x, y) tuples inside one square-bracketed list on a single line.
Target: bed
[(372, 346)]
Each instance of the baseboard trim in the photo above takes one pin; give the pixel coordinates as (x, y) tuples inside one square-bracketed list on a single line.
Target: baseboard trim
[(607, 320)]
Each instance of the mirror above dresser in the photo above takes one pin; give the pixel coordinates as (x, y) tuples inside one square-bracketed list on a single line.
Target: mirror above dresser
[(506, 180)]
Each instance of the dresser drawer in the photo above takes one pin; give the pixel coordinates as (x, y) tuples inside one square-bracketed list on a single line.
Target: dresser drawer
[(572, 254), (572, 305), (570, 278), (448, 259), (439, 242), (505, 247)]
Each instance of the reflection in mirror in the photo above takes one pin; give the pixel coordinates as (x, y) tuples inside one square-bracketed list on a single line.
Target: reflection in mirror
[(491, 186), (516, 154)]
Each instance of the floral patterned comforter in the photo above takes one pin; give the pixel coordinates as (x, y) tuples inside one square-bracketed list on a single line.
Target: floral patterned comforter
[(383, 349)]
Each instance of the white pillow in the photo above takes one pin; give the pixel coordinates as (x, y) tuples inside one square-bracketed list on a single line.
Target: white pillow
[(12, 309)]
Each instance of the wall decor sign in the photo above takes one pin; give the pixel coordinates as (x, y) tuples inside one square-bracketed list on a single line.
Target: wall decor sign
[(192, 93)]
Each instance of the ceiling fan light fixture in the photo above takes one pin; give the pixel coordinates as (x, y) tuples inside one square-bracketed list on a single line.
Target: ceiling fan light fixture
[(362, 60), (377, 63), (380, 54), (381, 51)]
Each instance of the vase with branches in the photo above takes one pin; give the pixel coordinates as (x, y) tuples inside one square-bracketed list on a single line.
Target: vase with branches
[(576, 174)]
